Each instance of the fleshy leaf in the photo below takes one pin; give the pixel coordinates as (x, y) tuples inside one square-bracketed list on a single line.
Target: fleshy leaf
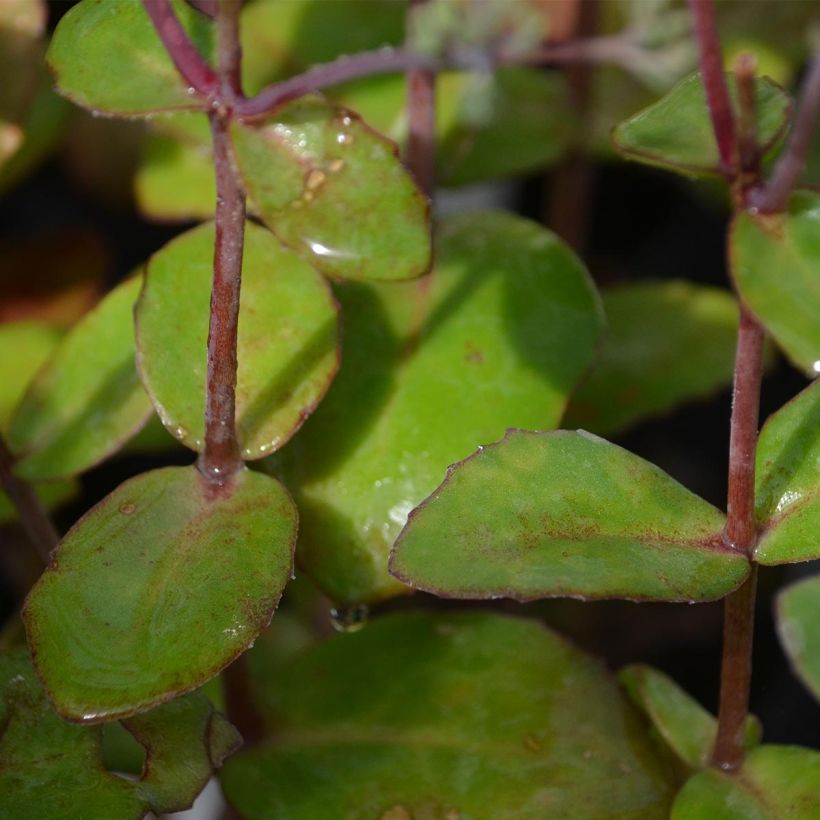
[(798, 624), (88, 400), (498, 335), (665, 343), (676, 133), (50, 768), (287, 347), (780, 782), (787, 478), (682, 723), (776, 265), (157, 588), (333, 189), (438, 716), (565, 514), (107, 57)]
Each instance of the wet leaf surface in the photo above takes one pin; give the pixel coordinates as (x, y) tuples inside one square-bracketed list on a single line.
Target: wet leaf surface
[(107, 57), (798, 625), (441, 716), (88, 400), (776, 265), (157, 588), (787, 477), (335, 190), (665, 343), (287, 347), (676, 133), (781, 782), (565, 514), (497, 337)]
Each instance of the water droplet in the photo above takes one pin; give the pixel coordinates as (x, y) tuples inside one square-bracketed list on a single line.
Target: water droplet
[(190, 91), (346, 120), (344, 139), (180, 431), (816, 367), (323, 250), (315, 179), (349, 618), (128, 508)]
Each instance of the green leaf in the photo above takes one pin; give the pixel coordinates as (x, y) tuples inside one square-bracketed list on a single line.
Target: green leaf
[(676, 132), (441, 716), (88, 400), (775, 261), (798, 624), (157, 588), (787, 479), (665, 343), (333, 189), (781, 782), (107, 57), (50, 768), (682, 723), (498, 336), (565, 514), (287, 347)]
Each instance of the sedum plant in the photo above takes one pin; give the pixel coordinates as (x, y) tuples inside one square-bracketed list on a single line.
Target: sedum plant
[(388, 398)]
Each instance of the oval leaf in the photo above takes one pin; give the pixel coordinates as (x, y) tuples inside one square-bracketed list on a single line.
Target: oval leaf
[(498, 335), (157, 588), (798, 624), (287, 346), (107, 57), (780, 782), (775, 262), (787, 478), (565, 514), (665, 343), (422, 715), (333, 189), (88, 400), (676, 132)]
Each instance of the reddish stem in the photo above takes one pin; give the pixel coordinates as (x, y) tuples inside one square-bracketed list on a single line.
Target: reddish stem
[(188, 61), (33, 516), (714, 81), (420, 156)]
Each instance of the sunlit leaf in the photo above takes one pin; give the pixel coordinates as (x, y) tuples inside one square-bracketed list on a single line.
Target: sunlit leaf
[(676, 132), (787, 477), (776, 265), (88, 400), (442, 716), (798, 624), (565, 514), (108, 57), (287, 347), (333, 189), (665, 343), (780, 782), (498, 336), (157, 588)]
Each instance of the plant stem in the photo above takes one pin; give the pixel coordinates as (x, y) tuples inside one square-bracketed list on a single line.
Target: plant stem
[(33, 516), (188, 61), (420, 156), (221, 457), (775, 195), (239, 703), (714, 81)]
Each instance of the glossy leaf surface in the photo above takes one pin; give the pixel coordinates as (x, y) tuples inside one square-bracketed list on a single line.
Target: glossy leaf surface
[(287, 347), (50, 768), (775, 783), (157, 588), (565, 514), (665, 343), (88, 400), (787, 478), (107, 57), (683, 725), (498, 336), (676, 133), (776, 265), (798, 624), (334, 190), (440, 716)]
